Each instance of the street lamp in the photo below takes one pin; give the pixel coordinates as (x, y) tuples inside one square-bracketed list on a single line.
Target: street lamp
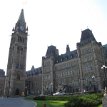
[(105, 77), (51, 88), (93, 78)]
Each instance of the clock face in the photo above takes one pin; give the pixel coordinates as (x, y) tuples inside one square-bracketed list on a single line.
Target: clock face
[(21, 28)]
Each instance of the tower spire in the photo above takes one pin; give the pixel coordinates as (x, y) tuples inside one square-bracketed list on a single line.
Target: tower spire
[(21, 17), (21, 24)]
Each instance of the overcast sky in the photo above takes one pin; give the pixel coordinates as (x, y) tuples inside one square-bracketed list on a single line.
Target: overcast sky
[(51, 22)]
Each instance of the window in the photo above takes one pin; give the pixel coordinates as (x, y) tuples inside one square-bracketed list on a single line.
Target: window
[(19, 49), (18, 77), (20, 39), (17, 65)]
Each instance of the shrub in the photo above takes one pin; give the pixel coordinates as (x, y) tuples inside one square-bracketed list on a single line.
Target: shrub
[(63, 98), (88, 100), (39, 98)]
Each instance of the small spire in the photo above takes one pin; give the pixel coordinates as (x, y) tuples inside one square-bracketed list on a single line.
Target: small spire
[(32, 68), (67, 49)]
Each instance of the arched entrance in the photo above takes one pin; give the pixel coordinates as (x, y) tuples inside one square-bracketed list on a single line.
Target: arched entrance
[(17, 92)]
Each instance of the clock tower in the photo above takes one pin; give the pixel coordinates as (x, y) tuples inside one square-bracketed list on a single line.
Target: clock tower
[(16, 67)]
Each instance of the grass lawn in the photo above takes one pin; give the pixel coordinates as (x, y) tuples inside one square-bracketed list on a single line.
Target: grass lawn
[(50, 103), (100, 105), (57, 101)]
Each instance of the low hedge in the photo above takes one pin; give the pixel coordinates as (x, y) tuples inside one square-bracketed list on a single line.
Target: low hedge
[(39, 98), (83, 100), (88, 100), (61, 98)]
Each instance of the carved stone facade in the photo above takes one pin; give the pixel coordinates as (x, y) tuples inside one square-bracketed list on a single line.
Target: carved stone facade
[(2, 81), (74, 71), (34, 80)]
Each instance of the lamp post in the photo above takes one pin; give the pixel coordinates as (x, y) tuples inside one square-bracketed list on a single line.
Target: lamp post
[(105, 76), (51, 88), (93, 78)]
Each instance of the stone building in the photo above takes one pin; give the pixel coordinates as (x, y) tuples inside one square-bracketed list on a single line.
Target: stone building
[(2, 81), (78, 70), (16, 67), (34, 81), (74, 71)]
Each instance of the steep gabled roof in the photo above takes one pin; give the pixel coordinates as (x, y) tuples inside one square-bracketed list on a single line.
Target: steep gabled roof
[(87, 35)]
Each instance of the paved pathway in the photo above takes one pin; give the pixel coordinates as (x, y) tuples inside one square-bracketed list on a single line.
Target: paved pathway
[(15, 102)]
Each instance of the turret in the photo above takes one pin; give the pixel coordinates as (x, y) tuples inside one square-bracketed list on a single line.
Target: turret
[(87, 36), (52, 51), (67, 49)]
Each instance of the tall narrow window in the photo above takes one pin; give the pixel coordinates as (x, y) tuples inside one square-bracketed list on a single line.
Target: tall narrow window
[(18, 77)]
